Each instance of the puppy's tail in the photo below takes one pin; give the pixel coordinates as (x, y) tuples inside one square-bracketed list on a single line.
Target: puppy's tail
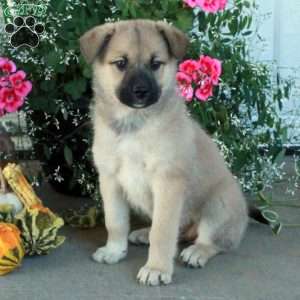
[(255, 214)]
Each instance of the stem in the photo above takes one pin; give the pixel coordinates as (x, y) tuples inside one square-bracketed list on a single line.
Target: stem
[(86, 123), (21, 135)]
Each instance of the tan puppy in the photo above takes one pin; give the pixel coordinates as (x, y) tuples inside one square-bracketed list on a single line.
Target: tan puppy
[(151, 156)]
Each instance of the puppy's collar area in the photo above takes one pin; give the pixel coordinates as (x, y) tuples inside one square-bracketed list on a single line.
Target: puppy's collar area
[(129, 124)]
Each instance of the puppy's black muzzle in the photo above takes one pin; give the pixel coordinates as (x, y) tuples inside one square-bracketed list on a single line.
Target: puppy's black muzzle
[(139, 89)]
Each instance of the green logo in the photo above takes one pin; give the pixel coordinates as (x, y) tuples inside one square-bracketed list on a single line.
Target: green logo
[(23, 9)]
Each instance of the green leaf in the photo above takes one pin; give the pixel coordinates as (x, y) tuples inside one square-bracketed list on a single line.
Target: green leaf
[(250, 19), (243, 23), (132, 10), (76, 88), (184, 20), (120, 4), (52, 59), (246, 33), (263, 199), (247, 4), (226, 40), (87, 72), (271, 216), (276, 228), (287, 90), (48, 85), (233, 26), (43, 103)]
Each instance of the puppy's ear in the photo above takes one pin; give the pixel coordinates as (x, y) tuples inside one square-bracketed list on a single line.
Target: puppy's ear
[(177, 42), (95, 41)]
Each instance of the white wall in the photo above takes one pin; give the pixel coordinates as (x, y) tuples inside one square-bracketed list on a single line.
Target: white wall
[(281, 30)]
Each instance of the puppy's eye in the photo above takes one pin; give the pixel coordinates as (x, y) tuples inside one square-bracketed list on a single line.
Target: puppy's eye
[(155, 64), (121, 64)]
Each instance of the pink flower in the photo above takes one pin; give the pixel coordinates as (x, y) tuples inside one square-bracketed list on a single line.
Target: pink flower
[(13, 87), (211, 67), (205, 90), (189, 67), (187, 92), (223, 4), (21, 87), (183, 79), (185, 85), (4, 82), (9, 100), (216, 71), (197, 78), (7, 66), (191, 3), (211, 6)]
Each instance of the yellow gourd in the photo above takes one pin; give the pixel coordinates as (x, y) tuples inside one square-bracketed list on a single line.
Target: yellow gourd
[(20, 186), (11, 248)]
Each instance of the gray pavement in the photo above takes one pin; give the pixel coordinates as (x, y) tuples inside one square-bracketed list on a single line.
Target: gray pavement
[(265, 267)]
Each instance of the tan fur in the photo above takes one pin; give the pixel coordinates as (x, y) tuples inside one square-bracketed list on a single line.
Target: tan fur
[(157, 160)]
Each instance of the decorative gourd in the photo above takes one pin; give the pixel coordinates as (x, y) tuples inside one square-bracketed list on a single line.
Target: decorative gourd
[(11, 199), (38, 224), (39, 227), (85, 217), (11, 248), (7, 213), (9, 202), (20, 186)]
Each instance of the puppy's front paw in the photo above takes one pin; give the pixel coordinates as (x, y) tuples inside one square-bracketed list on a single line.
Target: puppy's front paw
[(153, 277), (108, 256)]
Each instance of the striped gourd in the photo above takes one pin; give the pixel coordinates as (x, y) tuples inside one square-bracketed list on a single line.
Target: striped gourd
[(39, 227), (11, 248)]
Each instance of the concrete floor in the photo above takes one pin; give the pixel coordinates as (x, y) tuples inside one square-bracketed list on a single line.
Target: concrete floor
[(265, 267)]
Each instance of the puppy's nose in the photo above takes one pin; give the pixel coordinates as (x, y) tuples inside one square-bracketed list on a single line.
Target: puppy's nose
[(140, 91)]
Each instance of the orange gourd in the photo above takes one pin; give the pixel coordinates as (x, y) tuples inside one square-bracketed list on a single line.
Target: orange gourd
[(11, 248)]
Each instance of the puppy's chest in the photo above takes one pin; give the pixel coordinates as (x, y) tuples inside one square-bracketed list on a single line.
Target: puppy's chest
[(134, 173)]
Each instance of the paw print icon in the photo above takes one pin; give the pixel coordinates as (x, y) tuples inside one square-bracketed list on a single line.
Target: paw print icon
[(24, 32)]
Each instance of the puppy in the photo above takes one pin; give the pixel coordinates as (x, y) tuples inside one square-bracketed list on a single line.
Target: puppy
[(152, 156)]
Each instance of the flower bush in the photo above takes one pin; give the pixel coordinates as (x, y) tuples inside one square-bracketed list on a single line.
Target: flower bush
[(245, 97)]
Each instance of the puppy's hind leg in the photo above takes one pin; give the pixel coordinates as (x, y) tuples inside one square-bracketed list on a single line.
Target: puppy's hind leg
[(139, 236), (198, 254), (221, 227)]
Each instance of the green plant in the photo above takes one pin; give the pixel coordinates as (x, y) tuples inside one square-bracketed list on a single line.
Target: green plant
[(242, 116), (57, 112)]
